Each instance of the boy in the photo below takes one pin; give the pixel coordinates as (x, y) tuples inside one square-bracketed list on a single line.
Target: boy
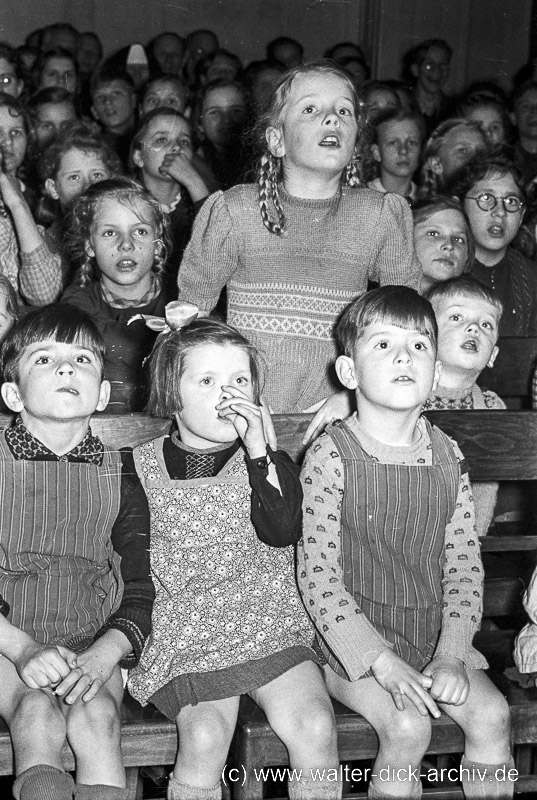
[(468, 316), (74, 566), (524, 104), (398, 139), (490, 189), (389, 565), (113, 97)]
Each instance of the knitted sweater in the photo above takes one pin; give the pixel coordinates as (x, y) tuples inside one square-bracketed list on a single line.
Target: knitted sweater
[(345, 629), (286, 293), (444, 399)]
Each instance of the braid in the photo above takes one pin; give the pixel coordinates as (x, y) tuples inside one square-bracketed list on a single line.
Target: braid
[(351, 176), (268, 192), (85, 273), (430, 182)]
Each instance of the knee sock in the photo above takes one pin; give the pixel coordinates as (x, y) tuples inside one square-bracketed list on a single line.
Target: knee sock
[(181, 791), (314, 790), (43, 782), (99, 791), (487, 781), (375, 791)]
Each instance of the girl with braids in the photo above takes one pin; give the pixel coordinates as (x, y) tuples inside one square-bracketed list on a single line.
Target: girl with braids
[(117, 234), (297, 247), (162, 153)]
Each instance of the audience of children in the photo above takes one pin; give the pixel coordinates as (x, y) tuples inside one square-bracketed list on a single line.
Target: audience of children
[(74, 574), (491, 191), (389, 565), (468, 315), (219, 629), (443, 240), (118, 235)]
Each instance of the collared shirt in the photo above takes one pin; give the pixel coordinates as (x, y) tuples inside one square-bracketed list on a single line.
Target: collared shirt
[(24, 446)]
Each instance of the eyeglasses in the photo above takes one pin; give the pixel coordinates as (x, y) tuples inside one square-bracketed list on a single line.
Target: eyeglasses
[(487, 202)]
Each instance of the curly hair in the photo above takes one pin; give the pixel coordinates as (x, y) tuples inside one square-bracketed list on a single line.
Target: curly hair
[(77, 137), (270, 168), (82, 214)]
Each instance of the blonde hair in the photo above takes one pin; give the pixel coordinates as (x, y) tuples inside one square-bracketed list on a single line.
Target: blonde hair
[(269, 170), (431, 183)]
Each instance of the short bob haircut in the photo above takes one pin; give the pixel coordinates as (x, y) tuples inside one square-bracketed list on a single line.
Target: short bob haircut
[(425, 208), (168, 359), (393, 305), (59, 322), (465, 286)]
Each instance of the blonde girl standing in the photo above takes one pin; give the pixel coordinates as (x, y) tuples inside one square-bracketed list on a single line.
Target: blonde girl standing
[(297, 246)]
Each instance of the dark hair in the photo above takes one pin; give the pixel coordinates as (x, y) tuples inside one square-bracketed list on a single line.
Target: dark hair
[(202, 67), (521, 90), (167, 361), (417, 54), (394, 305), (77, 137), (60, 322), (44, 58), (15, 108), (12, 57), (358, 52), (465, 286), (82, 214), (107, 74), (281, 41), (164, 77), (51, 94), (495, 162), (398, 115), (423, 209)]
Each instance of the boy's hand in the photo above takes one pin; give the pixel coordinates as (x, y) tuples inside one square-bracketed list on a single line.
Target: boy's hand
[(337, 406), (93, 669), (402, 681), (247, 419), (42, 665), (450, 680)]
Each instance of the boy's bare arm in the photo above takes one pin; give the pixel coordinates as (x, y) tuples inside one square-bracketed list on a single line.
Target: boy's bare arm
[(38, 665)]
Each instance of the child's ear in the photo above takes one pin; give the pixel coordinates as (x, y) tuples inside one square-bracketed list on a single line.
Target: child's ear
[(11, 397), (492, 359), (375, 152), (50, 188), (274, 137), (437, 373), (104, 396), (137, 158), (435, 165), (345, 372)]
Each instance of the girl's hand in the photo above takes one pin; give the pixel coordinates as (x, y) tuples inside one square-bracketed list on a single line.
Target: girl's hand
[(247, 419), (337, 406), (177, 166), (10, 188), (93, 669), (42, 665), (402, 681), (450, 680)]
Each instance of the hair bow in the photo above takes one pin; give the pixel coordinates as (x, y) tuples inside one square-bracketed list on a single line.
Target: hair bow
[(177, 315)]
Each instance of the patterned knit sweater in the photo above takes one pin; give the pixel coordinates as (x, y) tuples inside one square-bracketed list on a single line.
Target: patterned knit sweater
[(444, 399), (286, 293)]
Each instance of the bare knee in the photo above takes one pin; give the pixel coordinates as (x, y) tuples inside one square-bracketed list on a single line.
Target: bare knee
[(206, 733), (492, 722), (405, 732), (36, 717), (313, 725), (93, 721)]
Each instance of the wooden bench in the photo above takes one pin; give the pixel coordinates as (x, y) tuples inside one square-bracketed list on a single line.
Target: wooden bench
[(511, 375), (499, 446)]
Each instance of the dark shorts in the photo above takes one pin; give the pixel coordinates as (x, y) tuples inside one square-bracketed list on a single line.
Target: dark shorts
[(199, 687)]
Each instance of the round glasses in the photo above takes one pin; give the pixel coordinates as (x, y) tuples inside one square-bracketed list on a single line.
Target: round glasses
[(487, 201)]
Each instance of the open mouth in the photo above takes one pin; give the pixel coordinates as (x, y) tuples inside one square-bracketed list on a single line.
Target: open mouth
[(471, 345), (403, 379), (330, 141), (126, 264), (496, 230), (445, 262), (68, 390)]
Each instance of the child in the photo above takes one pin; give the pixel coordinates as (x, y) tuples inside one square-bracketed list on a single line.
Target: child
[(296, 248), (162, 151), (524, 100), (490, 115), (113, 98), (21, 241), (443, 240), (490, 189), (468, 316), (429, 64), (451, 145), (51, 111), (164, 91), (396, 147), (74, 569), (118, 234), (228, 618), (389, 566)]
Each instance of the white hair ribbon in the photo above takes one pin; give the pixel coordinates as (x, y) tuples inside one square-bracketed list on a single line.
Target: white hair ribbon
[(177, 315)]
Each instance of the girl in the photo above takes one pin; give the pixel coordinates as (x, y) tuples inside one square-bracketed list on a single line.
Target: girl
[(491, 191), (222, 112), (449, 147), (162, 152), (51, 112), (490, 115), (298, 246), (75, 161), (228, 619), (22, 245), (55, 68), (443, 240), (118, 235), (396, 148)]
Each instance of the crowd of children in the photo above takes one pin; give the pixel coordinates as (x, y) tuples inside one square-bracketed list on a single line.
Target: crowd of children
[(364, 242)]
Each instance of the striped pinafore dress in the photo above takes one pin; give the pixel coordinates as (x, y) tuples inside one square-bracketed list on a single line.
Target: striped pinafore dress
[(393, 521)]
